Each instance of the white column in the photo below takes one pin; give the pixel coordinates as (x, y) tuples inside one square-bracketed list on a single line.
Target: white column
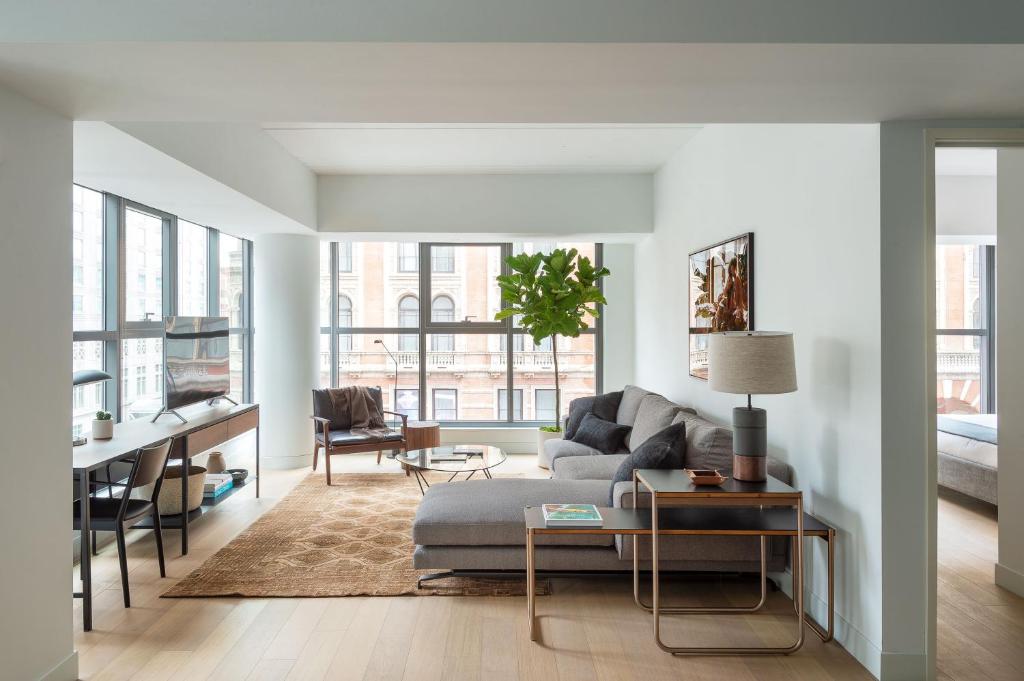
[(35, 394), (1009, 571), (286, 345)]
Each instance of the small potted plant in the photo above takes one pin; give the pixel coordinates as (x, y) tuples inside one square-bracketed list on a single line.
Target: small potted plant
[(102, 426), (551, 295)]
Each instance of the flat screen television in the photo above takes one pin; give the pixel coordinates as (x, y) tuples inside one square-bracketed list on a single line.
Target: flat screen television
[(196, 360)]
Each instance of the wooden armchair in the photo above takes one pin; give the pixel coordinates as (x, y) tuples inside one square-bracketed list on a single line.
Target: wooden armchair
[(331, 435)]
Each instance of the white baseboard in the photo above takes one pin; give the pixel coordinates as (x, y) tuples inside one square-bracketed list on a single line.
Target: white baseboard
[(67, 670), (1009, 579), (279, 463), (846, 634), (903, 667)]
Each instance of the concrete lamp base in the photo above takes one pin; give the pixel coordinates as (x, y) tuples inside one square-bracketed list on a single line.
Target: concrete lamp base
[(750, 444)]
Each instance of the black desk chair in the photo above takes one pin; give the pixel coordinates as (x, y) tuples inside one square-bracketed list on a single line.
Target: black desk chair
[(118, 514)]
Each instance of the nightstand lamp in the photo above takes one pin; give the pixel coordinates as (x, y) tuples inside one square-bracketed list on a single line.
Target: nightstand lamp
[(751, 363)]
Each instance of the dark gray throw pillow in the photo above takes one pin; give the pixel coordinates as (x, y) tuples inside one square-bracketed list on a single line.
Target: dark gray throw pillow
[(603, 406), (606, 436), (666, 449)]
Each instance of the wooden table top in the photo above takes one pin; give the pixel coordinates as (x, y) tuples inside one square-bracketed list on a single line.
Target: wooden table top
[(129, 436), (676, 483), (689, 521)]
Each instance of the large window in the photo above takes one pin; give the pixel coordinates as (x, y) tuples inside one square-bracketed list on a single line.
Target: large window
[(428, 338), (170, 267), (193, 269), (965, 320)]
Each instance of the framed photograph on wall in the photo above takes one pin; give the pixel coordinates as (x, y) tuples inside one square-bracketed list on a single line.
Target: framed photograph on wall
[(721, 295)]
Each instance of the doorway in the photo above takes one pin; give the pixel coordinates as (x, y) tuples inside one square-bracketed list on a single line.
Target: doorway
[(975, 218)]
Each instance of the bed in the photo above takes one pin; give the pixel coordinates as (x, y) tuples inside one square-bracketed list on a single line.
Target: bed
[(968, 453)]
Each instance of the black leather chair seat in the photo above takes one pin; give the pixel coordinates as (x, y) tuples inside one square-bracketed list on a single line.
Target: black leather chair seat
[(103, 511), (340, 438)]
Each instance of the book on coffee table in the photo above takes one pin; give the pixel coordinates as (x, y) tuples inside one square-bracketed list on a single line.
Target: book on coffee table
[(468, 450), (571, 515), (448, 456)]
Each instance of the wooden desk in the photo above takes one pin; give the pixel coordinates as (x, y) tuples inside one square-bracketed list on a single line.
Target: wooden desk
[(206, 427)]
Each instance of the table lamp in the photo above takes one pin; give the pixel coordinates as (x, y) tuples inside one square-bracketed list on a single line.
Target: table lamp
[(751, 363), (87, 377)]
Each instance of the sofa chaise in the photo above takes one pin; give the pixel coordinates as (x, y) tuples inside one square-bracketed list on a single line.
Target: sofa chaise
[(477, 525)]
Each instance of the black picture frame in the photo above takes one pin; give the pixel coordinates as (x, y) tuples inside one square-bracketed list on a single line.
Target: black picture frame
[(703, 269)]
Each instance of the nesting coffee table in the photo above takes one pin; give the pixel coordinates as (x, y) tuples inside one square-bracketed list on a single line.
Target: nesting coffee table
[(432, 459), (757, 509)]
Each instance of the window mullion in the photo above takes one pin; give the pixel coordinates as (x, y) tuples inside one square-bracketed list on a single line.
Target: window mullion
[(510, 414), (424, 308), (599, 331), (333, 300)]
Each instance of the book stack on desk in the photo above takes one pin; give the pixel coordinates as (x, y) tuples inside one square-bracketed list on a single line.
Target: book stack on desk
[(216, 484)]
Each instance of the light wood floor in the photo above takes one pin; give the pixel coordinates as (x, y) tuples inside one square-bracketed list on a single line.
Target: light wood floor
[(591, 629), (981, 626)]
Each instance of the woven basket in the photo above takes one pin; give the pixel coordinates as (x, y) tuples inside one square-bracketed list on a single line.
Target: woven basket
[(169, 502)]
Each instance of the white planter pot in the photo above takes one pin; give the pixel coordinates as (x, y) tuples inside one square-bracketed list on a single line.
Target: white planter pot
[(102, 430), (542, 437)]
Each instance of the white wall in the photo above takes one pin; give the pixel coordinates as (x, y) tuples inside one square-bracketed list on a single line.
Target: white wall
[(1009, 572), (242, 157), (619, 317), (965, 205), (488, 206), (35, 406), (810, 195), (286, 345), (111, 160)]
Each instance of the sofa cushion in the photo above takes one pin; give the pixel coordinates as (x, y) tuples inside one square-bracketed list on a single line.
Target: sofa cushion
[(606, 436), (654, 415), (557, 448), (707, 445), (490, 512), (587, 467), (341, 438), (629, 404), (605, 406), (663, 450)]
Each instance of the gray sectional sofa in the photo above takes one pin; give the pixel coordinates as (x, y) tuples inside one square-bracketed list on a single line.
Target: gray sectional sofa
[(477, 525)]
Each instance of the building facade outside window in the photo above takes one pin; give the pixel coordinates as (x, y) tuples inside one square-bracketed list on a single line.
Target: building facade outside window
[(454, 363), (147, 288), (408, 257), (965, 333)]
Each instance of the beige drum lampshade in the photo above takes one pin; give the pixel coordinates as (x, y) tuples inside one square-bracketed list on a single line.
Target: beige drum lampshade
[(751, 362)]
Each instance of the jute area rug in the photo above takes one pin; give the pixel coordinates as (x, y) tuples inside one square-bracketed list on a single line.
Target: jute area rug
[(351, 539)]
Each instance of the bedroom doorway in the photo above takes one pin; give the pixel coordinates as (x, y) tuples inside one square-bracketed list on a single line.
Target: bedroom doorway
[(972, 203)]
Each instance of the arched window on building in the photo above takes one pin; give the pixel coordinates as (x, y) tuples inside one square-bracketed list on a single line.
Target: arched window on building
[(344, 320), (442, 310), (408, 318)]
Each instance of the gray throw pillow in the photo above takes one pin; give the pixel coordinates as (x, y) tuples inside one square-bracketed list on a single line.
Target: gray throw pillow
[(666, 449), (603, 406), (607, 437)]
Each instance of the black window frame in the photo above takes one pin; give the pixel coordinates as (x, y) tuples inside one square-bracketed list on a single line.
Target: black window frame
[(513, 339), (986, 333), (117, 329)]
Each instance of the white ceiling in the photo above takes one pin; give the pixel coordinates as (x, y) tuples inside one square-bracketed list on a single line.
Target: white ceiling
[(506, 83), (965, 161), (418, 149)]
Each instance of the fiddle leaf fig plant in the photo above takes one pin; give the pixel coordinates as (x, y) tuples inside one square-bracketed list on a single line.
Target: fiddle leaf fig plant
[(552, 295)]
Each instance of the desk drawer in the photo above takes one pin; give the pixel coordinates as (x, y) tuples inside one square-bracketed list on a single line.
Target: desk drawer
[(208, 437), (243, 423)]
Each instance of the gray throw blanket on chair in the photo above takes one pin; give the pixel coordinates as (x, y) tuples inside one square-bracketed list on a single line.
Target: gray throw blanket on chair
[(364, 414)]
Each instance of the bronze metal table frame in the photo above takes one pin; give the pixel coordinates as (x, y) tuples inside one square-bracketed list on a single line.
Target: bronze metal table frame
[(633, 522)]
